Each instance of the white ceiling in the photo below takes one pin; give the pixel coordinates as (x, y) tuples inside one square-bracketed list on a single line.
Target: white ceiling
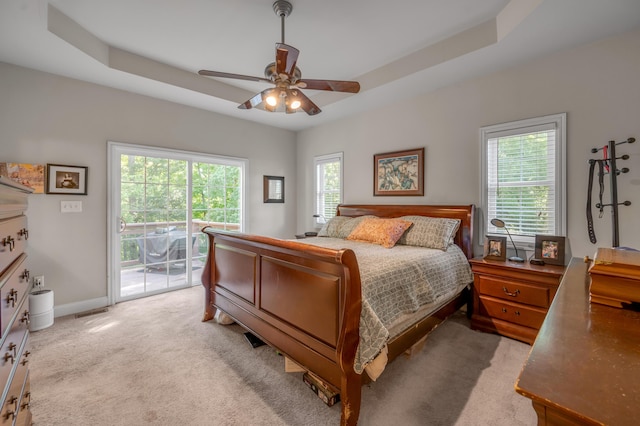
[(395, 49)]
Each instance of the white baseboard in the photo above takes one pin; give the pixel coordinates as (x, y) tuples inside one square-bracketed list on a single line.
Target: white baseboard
[(77, 307)]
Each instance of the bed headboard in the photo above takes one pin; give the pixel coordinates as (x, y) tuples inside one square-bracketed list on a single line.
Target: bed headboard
[(466, 214)]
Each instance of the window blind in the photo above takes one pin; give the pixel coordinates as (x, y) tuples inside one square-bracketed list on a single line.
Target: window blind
[(521, 179), (328, 186)]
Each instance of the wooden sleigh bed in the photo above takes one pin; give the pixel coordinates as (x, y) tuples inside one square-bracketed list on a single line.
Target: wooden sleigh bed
[(305, 301)]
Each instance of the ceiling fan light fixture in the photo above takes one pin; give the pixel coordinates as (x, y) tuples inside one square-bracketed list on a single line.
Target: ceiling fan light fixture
[(292, 100), (295, 104), (272, 100), (287, 78)]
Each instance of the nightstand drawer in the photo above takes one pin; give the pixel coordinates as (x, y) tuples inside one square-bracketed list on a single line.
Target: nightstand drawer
[(512, 312), (513, 291)]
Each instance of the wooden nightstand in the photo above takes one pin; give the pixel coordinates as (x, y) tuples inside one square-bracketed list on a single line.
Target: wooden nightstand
[(512, 298)]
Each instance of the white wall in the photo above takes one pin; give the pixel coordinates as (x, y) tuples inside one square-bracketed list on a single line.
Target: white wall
[(597, 85), (51, 119)]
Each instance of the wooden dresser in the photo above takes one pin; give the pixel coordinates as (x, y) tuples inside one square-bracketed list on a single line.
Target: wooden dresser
[(14, 305), (512, 298), (584, 367)]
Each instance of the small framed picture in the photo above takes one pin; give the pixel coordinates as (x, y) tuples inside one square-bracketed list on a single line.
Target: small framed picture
[(495, 248), (66, 179), (273, 189), (550, 248)]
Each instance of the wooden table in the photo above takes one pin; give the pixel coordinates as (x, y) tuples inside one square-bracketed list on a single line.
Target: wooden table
[(584, 366)]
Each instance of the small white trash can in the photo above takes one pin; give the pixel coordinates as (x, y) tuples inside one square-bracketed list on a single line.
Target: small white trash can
[(40, 309)]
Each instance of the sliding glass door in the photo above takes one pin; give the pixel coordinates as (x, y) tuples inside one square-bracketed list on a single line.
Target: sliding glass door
[(159, 202)]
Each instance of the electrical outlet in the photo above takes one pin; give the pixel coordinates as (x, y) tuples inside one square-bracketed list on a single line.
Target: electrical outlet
[(38, 282)]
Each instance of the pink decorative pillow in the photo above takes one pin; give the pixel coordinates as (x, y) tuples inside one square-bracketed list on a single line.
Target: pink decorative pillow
[(385, 232)]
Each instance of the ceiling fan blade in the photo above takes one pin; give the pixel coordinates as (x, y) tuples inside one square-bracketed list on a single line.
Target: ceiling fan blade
[(286, 58), (229, 75), (306, 105), (330, 85), (253, 102)]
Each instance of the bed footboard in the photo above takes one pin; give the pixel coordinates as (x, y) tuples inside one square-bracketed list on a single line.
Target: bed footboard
[(303, 300)]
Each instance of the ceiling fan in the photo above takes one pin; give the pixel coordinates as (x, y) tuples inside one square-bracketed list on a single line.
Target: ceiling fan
[(286, 77)]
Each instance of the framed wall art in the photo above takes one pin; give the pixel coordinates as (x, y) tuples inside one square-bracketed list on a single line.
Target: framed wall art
[(273, 189), (550, 248), (399, 173), (495, 248), (31, 175), (66, 179)]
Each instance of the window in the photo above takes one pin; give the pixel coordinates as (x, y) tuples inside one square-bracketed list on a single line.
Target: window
[(328, 184), (523, 178)]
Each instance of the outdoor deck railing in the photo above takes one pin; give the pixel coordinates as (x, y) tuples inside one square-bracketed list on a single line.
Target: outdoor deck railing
[(138, 229)]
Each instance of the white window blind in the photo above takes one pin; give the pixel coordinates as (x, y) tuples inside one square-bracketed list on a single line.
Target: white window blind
[(523, 174), (328, 186)]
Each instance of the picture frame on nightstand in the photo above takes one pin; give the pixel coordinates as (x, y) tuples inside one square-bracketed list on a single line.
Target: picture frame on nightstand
[(550, 249), (495, 248)]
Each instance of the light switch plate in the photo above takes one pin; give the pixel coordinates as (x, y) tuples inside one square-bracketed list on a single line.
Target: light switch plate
[(71, 206)]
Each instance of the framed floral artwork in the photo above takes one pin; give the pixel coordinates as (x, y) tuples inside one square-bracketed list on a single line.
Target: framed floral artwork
[(399, 173)]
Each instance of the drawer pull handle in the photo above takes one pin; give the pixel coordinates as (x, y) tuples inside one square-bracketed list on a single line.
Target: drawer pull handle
[(504, 310), (518, 313), (24, 232), (12, 297), (12, 414), (509, 293), (8, 355), (25, 275), (26, 318), (8, 241), (27, 403)]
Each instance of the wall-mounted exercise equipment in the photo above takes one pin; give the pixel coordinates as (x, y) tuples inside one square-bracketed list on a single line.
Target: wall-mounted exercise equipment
[(606, 166)]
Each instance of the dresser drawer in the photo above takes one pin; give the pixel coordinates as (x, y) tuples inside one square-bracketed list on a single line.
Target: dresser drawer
[(526, 316), (13, 239), (14, 402), (24, 415), (9, 351), (15, 286), (514, 291)]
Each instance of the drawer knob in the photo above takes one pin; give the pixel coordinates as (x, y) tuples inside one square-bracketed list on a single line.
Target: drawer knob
[(25, 275), (510, 293), (504, 310)]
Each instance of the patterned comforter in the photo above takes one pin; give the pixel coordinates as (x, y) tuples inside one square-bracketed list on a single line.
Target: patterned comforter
[(396, 282)]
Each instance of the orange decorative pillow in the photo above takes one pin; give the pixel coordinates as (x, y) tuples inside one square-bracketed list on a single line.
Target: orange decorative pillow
[(385, 232)]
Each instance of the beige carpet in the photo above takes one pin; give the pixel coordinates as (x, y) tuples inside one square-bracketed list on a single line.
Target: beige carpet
[(153, 362)]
